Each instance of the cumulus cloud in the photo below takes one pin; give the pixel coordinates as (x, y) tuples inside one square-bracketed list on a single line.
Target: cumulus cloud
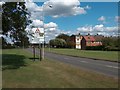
[(63, 8), (98, 29), (51, 25), (35, 11), (51, 30), (31, 6), (54, 8), (1, 3), (85, 29), (37, 23), (102, 18)]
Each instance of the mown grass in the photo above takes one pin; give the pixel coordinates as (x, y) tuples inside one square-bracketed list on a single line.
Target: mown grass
[(48, 73), (103, 55)]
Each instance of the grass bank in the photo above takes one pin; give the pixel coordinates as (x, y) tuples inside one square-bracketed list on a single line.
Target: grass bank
[(103, 55), (19, 71)]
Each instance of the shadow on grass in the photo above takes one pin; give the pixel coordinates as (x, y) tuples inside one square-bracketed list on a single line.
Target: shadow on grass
[(33, 59), (12, 61)]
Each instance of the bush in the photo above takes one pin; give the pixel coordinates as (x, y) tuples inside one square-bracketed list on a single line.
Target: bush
[(94, 47), (8, 46), (110, 48)]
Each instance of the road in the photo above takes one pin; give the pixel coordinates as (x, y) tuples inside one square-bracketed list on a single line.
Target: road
[(103, 67)]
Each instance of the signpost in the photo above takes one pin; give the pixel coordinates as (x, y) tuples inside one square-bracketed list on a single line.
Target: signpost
[(38, 38)]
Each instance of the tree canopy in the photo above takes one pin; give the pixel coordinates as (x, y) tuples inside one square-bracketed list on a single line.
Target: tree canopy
[(14, 21), (63, 36), (59, 43)]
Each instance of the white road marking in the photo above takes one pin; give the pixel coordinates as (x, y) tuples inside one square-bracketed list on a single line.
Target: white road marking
[(84, 61), (112, 66)]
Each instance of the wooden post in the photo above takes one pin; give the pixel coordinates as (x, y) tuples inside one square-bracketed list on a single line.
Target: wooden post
[(43, 56), (33, 53), (40, 52)]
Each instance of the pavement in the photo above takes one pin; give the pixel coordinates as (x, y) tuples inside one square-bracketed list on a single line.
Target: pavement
[(99, 66)]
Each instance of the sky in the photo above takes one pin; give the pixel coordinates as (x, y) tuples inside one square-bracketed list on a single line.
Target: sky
[(73, 17)]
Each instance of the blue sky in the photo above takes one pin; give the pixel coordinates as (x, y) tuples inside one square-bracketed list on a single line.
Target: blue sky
[(73, 17), (107, 9)]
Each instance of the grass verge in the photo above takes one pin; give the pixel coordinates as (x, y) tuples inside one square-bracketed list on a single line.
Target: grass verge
[(101, 55), (21, 72)]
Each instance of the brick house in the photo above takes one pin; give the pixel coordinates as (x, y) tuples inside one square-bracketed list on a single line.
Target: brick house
[(83, 41)]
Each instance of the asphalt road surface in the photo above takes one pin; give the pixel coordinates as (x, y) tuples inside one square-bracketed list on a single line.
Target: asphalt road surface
[(103, 67)]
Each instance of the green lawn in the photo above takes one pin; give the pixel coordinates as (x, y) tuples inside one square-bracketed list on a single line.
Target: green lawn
[(21, 72), (105, 55)]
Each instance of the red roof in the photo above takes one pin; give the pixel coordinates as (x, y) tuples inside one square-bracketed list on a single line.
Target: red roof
[(89, 38)]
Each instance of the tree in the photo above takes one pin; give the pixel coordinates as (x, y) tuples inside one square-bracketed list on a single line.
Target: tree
[(111, 43), (14, 21), (3, 42), (63, 36), (59, 43), (71, 42)]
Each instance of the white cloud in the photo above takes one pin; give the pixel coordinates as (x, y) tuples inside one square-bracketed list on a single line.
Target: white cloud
[(63, 8), (36, 11), (102, 18), (85, 29), (31, 6), (98, 29), (51, 25), (37, 23), (66, 32), (51, 30), (1, 3), (56, 8)]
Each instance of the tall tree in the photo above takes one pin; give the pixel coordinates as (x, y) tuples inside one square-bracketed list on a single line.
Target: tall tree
[(63, 36), (14, 21)]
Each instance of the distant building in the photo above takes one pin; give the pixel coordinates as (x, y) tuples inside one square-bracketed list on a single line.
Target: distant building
[(78, 41), (83, 41)]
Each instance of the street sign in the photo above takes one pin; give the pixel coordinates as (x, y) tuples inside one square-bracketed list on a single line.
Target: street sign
[(38, 34), (37, 30)]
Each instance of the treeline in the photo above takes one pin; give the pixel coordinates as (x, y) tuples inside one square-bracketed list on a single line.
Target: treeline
[(66, 41), (5, 45), (63, 41), (111, 43)]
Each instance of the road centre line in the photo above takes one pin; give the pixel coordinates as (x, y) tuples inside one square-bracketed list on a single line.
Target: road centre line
[(112, 66), (102, 65), (84, 61), (95, 63)]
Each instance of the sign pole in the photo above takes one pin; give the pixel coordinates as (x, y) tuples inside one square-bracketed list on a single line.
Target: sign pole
[(40, 52), (43, 51), (33, 53)]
